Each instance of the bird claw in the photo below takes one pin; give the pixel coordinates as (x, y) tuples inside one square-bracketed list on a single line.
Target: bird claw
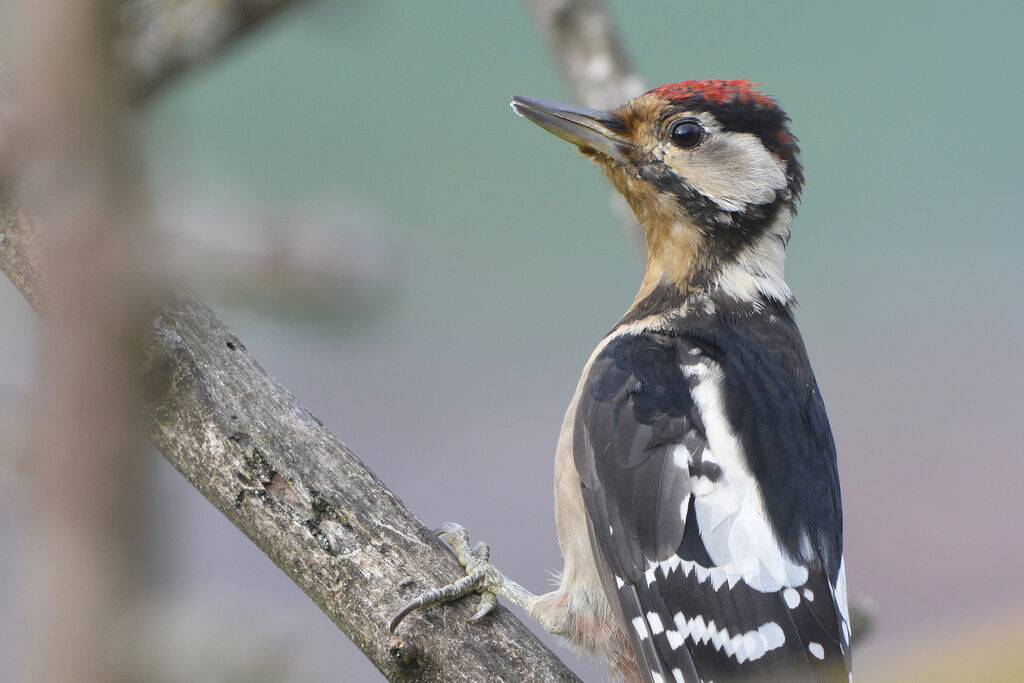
[(403, 613), (488, 601), (450, 528), (480, 577)]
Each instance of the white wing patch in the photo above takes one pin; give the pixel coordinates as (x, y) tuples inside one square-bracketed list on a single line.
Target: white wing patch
[(733, 526), (681, 457), (730, 515)]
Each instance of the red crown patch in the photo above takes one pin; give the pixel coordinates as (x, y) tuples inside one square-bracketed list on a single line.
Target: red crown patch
[(737, 91)]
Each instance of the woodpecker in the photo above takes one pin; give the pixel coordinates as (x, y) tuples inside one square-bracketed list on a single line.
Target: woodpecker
[(696, 485)]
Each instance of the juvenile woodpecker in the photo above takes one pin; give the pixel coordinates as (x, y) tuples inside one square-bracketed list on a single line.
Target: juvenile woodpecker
[(696, 488)]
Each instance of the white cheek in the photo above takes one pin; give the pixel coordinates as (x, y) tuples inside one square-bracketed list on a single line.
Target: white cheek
[(732, 169)]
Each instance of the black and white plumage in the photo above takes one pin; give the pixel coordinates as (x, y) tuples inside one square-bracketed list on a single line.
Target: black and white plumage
[(703, 453), (696, 487), (709, 476)]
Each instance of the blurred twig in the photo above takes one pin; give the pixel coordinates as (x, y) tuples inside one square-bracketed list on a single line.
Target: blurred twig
[(321, 263), (585, 44), (862, 620), (161, 39)]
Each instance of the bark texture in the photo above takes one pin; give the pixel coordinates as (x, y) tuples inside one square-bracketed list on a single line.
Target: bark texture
[(282, 478)]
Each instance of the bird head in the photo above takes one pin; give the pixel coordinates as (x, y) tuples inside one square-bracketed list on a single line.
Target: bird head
[(711, 171)]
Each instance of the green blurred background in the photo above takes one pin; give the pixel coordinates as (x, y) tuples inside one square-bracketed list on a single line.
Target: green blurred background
[(496, 263)]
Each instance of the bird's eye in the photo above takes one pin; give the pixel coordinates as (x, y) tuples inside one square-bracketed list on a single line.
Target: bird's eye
[(687, 134)]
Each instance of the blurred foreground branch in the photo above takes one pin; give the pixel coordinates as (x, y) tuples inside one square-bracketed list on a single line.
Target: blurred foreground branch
[(83, 553)]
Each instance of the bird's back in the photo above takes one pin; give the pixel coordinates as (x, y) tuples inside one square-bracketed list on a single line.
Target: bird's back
[(709, 475)]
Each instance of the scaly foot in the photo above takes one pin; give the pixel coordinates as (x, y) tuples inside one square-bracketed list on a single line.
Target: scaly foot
[(481, 577)]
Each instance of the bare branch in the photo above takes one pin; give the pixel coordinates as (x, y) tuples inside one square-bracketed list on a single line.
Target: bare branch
[(317, 511)]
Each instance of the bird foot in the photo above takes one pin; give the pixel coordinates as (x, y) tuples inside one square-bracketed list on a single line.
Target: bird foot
[(481, 577)]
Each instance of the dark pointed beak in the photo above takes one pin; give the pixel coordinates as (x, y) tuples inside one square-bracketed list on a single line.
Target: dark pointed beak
[(588, 129)]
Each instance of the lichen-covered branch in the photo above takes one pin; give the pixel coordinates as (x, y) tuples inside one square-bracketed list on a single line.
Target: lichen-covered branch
[(279, 475)]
